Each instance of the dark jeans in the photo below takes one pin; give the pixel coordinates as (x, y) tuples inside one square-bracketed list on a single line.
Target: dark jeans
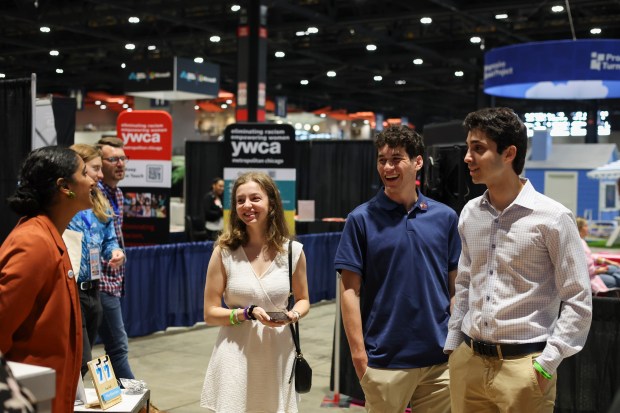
[(91, 319), (114, 337)]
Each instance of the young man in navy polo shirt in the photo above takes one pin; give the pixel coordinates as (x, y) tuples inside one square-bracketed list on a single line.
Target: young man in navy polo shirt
[(397, 258)]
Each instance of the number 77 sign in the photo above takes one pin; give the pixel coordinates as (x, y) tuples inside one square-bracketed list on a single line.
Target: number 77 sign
[(106, 386)]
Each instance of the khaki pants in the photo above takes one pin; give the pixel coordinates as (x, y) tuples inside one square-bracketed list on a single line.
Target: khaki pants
[(481, 384), (389, 391)]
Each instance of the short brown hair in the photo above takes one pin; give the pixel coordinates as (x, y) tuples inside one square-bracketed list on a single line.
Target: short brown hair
[(110, 141)]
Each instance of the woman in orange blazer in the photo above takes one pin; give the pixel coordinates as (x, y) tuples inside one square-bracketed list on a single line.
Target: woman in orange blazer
[(40, 321)]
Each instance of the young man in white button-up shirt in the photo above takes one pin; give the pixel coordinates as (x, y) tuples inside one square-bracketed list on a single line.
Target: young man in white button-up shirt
[(523, 299)]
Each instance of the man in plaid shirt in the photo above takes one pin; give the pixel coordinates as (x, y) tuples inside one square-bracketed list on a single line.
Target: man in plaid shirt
[(112, 283)]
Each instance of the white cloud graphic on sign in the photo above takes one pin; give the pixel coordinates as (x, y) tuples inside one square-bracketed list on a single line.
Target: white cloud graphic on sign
[(573, 89)]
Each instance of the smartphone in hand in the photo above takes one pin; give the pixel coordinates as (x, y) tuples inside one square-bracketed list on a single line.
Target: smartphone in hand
[(278, 316)]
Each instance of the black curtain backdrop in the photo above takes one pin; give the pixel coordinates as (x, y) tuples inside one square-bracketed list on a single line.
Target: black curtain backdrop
[(16, 102), (64, 119), (337, 175), (203, 161), (588, 381)]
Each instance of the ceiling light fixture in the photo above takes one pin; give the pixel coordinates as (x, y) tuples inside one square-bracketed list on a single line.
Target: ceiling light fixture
[(304, 82), (557, 9), (501, 16), (123, 65), (371, 47), (196, 107), (426, 20), (224, 106), (378, 78), (459, 73), (312, 30), (152, 47), (300, 33), (279, 54), (198, 59), (215, 39), (45, 29), (418, 61), (97, 102), (595, 30), (475, 39), (229, 101), (235, 7), (133, 19), (331, 73), (130, 46), (54, 52), (103, 107), (125, 105), (59, 71), (401, 82), (2, 75)]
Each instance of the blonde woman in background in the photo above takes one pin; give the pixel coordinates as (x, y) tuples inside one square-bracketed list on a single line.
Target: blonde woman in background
[(98, 241), (604, 273)]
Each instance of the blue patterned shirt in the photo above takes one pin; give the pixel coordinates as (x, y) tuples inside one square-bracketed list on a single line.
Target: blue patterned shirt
[(95, 234)]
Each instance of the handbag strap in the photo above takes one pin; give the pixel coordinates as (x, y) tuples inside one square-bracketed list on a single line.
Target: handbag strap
[(294, 331)]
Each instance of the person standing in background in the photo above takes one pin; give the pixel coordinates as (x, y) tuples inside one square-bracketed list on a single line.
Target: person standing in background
[(98, 241), (40, 320), (213, 211), (397, 258), (523, 301), (112, 284)]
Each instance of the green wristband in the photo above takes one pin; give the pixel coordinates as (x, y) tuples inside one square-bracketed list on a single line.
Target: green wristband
[(542, 371), (232, 321)]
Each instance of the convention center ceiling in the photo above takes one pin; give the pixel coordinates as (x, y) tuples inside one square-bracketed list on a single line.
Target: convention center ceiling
[(422, 59)]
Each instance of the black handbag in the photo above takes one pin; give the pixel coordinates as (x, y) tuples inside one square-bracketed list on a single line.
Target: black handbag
[(301, 369)]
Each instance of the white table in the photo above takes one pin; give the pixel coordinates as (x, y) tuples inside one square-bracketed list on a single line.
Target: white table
[(131, 403)]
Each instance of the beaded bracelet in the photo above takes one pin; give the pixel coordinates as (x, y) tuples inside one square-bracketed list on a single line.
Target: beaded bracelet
[(542, 371), (236, 316), (245, 313), (252, 307)]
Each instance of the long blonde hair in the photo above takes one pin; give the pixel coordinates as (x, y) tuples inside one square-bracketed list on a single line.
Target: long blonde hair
[(101, 206), (236, 234)]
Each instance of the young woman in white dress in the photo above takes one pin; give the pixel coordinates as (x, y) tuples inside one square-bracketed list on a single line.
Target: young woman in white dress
[(252, 358)]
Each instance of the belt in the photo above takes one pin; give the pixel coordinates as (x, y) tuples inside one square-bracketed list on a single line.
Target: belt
[(88, 285), (503, 350)]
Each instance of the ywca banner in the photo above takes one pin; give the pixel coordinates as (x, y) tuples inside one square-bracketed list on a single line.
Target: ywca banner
[(267, 148), (147, 135)]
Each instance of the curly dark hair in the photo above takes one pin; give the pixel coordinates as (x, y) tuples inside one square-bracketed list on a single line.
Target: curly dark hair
[(504, 127), (38, 178), (400, 135), (236, 235)]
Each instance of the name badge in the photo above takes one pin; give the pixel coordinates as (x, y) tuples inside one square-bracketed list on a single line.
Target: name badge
[(95, 264)]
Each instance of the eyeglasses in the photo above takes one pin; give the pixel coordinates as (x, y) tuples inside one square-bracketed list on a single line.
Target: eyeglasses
[(115, 159)]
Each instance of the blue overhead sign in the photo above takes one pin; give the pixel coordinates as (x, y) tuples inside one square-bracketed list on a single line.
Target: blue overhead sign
[(563, 69)]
